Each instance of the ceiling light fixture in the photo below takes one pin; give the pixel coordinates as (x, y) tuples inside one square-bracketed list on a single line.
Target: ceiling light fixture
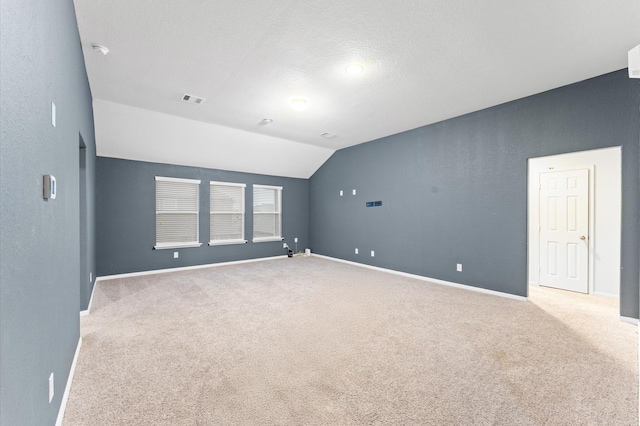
[(328, 135), (354, 69), (266, 121), (299, 104), (99, 49)]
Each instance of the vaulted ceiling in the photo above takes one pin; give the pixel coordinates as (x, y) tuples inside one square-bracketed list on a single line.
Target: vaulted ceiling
[(422, 61)]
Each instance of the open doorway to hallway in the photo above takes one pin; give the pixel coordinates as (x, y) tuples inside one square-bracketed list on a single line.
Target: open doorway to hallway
[(85, 279)]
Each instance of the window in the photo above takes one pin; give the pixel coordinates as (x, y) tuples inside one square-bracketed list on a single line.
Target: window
[(267, 213), (177, 204), (226, 207)]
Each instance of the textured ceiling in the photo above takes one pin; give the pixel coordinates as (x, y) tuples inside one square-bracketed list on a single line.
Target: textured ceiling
[(424, 61)]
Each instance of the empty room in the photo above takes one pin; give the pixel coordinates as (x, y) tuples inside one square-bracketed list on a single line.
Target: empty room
[(324, 213)]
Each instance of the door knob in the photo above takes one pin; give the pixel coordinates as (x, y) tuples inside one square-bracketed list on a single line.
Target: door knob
[(582, 237)]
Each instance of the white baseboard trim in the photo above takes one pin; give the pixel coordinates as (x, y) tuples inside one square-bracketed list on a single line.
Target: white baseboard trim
[(431, 280), (185, 268), (629, 320), (93, 290), (67, 388), (607, 295)]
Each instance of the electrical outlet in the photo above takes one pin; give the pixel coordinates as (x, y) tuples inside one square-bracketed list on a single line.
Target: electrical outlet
[(354, 192), (295, 240), (341, 192), (90, 277), (51, 388), (176, 254), (373, 253), (459, 267), (356, 251), (53, 114)]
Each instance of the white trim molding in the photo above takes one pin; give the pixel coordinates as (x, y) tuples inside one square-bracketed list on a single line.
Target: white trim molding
[(629, 320), (266, 239), (172, 179), (185, 268), (431, 280), (165, 246), (93, 291), (67, 388), (607, 295), (226, 242), (213, 182), (277, 188)]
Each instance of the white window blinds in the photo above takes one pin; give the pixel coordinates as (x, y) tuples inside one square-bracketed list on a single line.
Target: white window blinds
[(226, 206), (177, 205), (267, 213)]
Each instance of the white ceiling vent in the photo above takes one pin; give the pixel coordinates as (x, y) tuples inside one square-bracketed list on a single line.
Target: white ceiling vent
[(192, 99)]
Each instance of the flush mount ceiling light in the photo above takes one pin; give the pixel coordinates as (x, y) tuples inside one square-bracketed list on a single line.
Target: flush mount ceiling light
[(328, 135), (266, 121), (354, 69), (99, 49), (299, 104)]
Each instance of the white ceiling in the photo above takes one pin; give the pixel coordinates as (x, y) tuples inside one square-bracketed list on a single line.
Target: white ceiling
[(424, 61)]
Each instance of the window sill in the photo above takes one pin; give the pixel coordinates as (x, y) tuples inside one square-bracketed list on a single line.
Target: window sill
[(267, 239), (165, 246), (226, 242)]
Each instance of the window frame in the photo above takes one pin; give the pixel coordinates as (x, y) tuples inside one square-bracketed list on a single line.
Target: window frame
[(181, 244), (279, 213), (242, 240)]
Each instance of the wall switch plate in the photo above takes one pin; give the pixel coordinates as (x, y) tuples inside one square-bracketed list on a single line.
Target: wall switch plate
[(176, 254), (295, 240), (354, 192), (341, 192), (90, 277), (356, 251), (459, 267), (51, 388), (373, 253), (53, 114)]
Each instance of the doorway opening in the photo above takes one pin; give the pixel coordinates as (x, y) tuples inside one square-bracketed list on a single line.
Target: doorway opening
[(85, 279), (555, 243)]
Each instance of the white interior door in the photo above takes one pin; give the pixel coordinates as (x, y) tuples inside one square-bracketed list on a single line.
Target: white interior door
[(564, 230)]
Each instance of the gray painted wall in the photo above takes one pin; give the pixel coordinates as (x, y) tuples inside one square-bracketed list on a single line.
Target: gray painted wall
[(456, 191), (126, 217), (39, 240)]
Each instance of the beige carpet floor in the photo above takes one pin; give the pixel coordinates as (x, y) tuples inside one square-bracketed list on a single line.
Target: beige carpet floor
[(316, 342)]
